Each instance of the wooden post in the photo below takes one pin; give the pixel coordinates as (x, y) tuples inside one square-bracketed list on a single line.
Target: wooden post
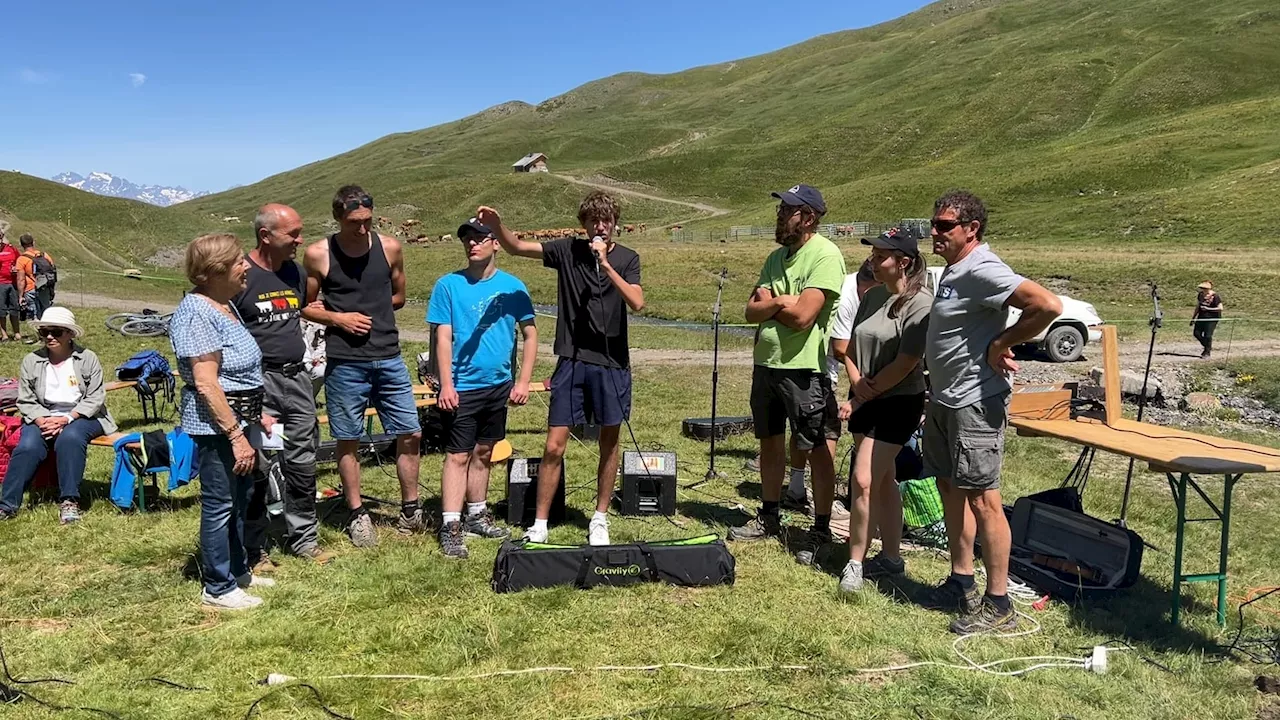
[(1111, 374)]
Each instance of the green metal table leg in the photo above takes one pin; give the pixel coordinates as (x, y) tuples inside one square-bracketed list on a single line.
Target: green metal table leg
[(1179, 488), (1228, 484)]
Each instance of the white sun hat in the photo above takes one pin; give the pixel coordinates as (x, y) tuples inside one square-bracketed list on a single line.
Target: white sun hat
[(59, 317)]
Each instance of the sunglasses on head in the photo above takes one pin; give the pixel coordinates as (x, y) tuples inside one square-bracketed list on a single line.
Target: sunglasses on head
[(946, 226), (357, 203), (51, 331)]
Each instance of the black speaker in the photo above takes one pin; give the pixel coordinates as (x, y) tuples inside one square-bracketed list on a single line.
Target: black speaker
[(648, 483), (522, 493), (382, 445)]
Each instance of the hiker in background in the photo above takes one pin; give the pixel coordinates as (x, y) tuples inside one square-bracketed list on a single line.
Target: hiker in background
[(359, 275), (221, 368), (63, 405), (474, 313), (969, 352), (793, 303), (36, 276), (271, 307), (887, 399), (10, 298), (597, 280), (1204, 320), (855, 286)]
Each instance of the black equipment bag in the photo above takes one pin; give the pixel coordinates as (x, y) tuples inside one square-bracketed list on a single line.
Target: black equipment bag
[(1070, 555), (697, 561)]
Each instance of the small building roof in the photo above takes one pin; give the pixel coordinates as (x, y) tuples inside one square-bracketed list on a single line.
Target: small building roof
[(528, 160)]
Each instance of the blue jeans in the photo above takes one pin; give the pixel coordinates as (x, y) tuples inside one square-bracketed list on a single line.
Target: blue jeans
[(71, 445), (350, 387), (224, 499)]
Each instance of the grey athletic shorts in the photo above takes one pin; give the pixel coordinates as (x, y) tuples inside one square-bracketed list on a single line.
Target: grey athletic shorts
[(966, 445)]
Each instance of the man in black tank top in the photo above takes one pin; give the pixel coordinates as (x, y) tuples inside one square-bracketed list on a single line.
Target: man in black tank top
[(359, 277), (271, 306), (597, 281)]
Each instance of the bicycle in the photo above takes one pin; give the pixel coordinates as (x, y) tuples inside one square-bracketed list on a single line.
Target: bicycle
[(147, 323)]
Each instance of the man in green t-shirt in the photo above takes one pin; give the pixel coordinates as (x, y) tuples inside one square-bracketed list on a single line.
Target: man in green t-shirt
[(793, 303)]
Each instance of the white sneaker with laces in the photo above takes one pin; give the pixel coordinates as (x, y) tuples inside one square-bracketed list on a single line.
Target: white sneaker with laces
[(235, 600), (249, 580), (536, 535), (598, 532)]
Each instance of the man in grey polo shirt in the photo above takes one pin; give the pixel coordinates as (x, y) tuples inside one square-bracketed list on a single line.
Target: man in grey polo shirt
[(969, 353)]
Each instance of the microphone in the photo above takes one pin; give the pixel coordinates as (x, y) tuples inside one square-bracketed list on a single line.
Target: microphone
[(596, 255)]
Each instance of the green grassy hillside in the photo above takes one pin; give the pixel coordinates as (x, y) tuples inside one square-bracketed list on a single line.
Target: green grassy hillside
[(1076, 118)]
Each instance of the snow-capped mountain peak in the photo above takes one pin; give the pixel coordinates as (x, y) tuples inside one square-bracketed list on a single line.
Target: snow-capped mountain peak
[(101, 183)]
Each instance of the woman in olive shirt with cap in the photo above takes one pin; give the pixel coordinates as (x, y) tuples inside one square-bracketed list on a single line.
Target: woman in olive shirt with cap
[(888, 387)]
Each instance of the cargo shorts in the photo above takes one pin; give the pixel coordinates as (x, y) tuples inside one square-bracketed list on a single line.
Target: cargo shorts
[(802, 397), (966, 445)]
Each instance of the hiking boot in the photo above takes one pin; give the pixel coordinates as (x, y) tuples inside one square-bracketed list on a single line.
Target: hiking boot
[(237, 599), (802, 504), (813, 541), (315, 555), (987, 618), (418, 522), (8, 514), (264, 564), (360, 530), (453, 540), (249, 580), (949, 597), (752, 465), (762, 527), (482, 525), (68, 512), (598, 532), (881, 566), (851, 577)]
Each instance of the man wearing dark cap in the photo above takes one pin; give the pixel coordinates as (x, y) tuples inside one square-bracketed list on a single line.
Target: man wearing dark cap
[(793, 304), (473, 314)]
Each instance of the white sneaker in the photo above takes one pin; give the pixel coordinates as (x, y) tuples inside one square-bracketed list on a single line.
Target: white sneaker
[(235, 600), (598, 532), (535, 535), (249, 580)]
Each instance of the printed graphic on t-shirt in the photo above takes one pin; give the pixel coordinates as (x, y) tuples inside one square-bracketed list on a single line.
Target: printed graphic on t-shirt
[(277, 306)]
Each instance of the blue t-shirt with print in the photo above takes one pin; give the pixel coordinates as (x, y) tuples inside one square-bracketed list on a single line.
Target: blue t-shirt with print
[(198, 328), (483, 315)]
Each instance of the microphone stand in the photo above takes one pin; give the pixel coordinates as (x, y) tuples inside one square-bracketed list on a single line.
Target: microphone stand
[(1157, 319), (715, 374)]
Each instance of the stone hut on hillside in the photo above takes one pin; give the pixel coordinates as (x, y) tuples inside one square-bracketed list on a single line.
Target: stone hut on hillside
[(533, 162)]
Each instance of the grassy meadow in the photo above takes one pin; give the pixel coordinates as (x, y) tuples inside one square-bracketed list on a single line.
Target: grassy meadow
[(113, 602)]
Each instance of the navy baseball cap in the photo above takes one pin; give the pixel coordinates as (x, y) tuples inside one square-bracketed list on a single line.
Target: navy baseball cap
[(903, 241), (473, 226), (803, 195)]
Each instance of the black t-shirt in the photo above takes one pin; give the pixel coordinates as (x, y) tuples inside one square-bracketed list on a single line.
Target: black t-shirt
[(271, 306), (591, 322), (1212, 308)]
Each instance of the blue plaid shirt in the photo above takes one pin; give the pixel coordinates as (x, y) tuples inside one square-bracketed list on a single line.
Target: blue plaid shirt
[(198, 328)]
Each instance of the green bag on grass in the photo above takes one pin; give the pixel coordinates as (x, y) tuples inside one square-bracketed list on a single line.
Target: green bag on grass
[(922, 512)]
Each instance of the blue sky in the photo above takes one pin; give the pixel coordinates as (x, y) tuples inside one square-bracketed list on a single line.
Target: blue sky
[(234, 91)]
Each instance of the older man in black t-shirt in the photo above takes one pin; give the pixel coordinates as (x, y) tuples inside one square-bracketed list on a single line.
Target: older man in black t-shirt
[(592, 380), (270, 305)]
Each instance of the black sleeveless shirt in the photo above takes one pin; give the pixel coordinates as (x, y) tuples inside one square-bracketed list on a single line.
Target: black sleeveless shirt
[(360, 284)]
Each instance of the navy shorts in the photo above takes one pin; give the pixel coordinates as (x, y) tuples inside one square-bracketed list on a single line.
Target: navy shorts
[(583, 394)]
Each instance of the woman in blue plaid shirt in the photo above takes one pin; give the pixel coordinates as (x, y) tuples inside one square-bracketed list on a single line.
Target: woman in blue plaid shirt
[(221, 368)]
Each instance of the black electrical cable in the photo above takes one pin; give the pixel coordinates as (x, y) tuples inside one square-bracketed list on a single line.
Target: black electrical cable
[(178, 686), (316, 693), (1273, 644), (8, 692), (1143, 658)]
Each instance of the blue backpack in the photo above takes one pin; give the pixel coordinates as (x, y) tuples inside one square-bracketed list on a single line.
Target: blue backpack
[(151, 371)]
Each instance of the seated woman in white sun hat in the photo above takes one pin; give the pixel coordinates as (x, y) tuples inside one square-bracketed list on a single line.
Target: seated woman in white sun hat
[(63, 405)]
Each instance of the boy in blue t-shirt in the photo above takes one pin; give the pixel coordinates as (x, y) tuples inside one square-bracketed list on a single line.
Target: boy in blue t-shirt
[(474, 313)]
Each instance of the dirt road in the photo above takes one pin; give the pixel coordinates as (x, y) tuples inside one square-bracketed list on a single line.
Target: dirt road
[(710, 209), (1132, 354)]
